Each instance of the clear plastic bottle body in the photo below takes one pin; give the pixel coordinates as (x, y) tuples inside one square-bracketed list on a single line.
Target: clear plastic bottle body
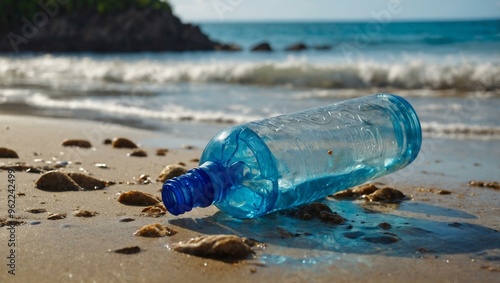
[(288, 160)]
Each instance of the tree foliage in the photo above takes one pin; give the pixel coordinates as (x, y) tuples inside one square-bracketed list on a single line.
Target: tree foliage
[(12, 11)]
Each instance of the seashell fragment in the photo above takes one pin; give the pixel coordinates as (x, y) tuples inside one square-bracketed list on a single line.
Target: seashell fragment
[(222, 247), (371, 192), (138, 198), (56, 216), (101, 165), (77, 143), (123, 143), (356, 192), (156, 210), (85, 213), (155, 230), (171, 171), (7, 153)]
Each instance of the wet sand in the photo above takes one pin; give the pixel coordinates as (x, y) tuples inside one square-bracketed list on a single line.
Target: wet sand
[(431, 237)]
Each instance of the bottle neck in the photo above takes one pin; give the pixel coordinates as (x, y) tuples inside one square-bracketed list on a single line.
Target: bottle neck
[(199, 187)]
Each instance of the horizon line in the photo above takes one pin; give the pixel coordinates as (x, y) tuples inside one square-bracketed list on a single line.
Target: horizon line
[(410, 20)]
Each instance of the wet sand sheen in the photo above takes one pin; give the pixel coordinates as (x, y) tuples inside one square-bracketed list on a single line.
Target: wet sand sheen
[(427, 236)]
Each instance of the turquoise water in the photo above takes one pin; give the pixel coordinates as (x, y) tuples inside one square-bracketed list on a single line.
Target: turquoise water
[(448, 70), (479, 35)]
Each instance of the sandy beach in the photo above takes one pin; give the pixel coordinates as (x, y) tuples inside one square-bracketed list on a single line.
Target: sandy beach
[(436, 236)]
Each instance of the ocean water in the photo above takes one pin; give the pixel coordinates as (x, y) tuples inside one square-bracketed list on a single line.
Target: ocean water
[(449, 71)]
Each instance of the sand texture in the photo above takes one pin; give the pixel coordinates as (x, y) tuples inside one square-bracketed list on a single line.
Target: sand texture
[(429, 236)]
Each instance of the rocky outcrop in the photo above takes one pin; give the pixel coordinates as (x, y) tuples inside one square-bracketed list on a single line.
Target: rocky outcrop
[(322, 47), (263, 46), (296, 47), (132, 30), (227, 47)]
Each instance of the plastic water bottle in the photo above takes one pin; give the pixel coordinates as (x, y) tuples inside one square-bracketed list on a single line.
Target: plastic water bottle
[(276, 163)]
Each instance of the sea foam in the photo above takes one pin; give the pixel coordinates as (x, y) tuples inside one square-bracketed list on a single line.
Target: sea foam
[(404, 74)]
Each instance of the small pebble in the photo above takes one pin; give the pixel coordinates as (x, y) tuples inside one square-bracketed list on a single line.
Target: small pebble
[(11, 222), (312, 210), (126, 219), (385, 194), (161, 152), (36, 210), (316, 210), (384, 240), (493, 185), (7, 153), (138, 198), (138, 153), (331, 217), (424, 250), (107, 141), (171, 171), (20, 168), (385, 226), (222, 247), (86, 182), (353, 235), (123, 143), (128, 250), (155, 230), (285, 234), (491, 268), (61, 164), (101, 165), (77, 143), (55, 181), (435, 191)]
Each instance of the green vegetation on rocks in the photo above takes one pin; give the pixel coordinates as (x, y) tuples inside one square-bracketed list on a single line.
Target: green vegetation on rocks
[(12, 11)]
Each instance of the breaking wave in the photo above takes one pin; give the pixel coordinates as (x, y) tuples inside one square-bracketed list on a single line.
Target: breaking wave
[(404, 74)]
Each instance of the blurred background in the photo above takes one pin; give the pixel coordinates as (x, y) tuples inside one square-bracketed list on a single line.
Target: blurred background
[(223, 62)]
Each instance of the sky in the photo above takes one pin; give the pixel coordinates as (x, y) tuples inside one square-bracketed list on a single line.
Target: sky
[(334, 10)]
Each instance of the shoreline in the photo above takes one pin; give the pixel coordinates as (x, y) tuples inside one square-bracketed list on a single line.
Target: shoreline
[(441, 237)]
